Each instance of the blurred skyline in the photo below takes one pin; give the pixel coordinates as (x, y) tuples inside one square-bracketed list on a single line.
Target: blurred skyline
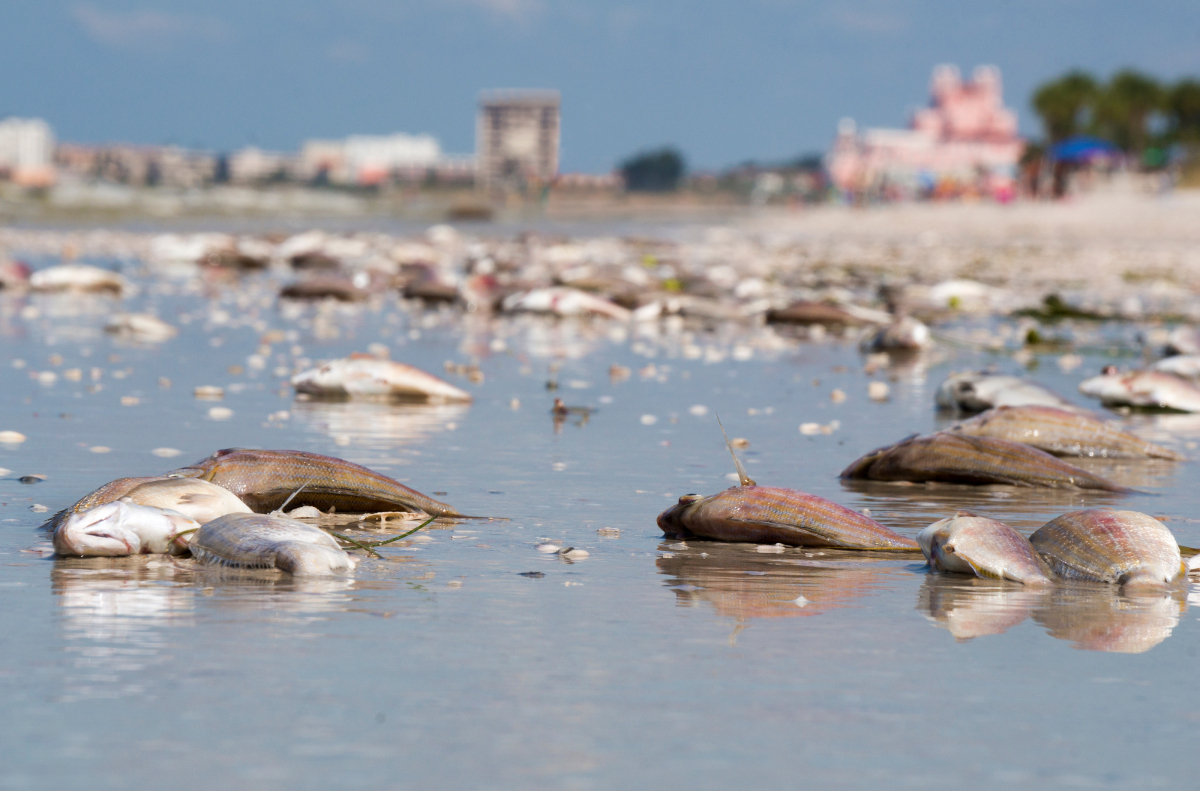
[(725, 82)]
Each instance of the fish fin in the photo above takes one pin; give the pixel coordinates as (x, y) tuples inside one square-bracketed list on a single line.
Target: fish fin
[(744, 478), (279, 510)]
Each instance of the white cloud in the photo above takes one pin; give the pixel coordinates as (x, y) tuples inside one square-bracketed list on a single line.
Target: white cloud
[(145, 29)]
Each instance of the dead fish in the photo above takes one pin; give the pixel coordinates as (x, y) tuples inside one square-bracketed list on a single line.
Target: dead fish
[(906, 334), (192, 497), (1184, 340), (975, 392), (140, 326), (770, 515), (109, 492), (1143, 389), (773, 515), (265, 479), (564, 301), (118, 529), (953, 458), (806, 312), (77, 277), (324, 287), (366, 376), (1118, 547), (1184, 365), (261, 541), (970, 544), (1061, 432)]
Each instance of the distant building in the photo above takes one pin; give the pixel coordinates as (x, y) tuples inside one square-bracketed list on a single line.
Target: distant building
[(366, 160), (517, 138), (253, 165), (140, 166), (964, 141), (27, 151)]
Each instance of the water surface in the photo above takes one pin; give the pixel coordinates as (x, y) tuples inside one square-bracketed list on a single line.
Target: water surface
[(445, 664)]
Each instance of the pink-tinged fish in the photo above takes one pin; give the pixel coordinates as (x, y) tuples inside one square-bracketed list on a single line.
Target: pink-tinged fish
[(362, 376), (970, 544), (1143, 389), (953, 458), (1118, 547), (1061, 432), (772, 515)]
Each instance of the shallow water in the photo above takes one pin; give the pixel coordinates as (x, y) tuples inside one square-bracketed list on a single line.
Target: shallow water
[(650, 663)]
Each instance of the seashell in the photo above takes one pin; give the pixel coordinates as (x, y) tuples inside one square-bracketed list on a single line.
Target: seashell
[(548, 548), (1117, 547)]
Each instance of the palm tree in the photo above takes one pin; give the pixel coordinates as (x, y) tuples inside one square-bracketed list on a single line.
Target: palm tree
[(1125, 107), (1063, 104), (1183, 108)]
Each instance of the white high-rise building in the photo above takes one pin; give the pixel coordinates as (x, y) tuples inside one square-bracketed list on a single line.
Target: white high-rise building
[(27, 151)]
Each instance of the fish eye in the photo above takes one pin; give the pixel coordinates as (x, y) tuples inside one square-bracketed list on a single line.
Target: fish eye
[(688, 499)]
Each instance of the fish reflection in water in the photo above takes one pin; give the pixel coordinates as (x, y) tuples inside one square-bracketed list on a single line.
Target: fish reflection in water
[(1092, 617), (741, 583), (377, 426), (117, 613), (115, 617)]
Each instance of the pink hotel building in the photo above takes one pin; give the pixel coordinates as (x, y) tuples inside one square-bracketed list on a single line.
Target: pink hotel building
[(964, 141)]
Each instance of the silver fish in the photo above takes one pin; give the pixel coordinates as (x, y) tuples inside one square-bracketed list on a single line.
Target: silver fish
[(1061, 432), (1185, 365), (1143, 389), (192, 497), (970, 544), (365, 376), (1117, 547), (975, 392), (263, 541), (118, 529)]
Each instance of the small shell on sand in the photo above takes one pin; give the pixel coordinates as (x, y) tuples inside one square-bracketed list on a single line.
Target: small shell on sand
[(11, 437), (220, 413)]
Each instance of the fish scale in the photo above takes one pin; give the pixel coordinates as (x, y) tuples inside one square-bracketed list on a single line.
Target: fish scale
[(954, 458), (769, 514)]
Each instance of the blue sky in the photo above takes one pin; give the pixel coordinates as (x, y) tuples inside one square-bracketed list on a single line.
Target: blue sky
[(724, 81)]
